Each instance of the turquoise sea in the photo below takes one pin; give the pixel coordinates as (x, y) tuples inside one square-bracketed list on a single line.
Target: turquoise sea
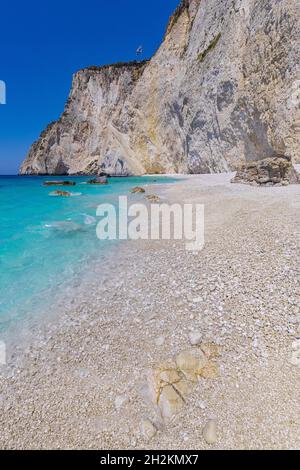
[(45, 241)]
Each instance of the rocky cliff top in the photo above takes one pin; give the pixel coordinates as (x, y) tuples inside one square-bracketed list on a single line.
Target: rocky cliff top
[(115, 66)]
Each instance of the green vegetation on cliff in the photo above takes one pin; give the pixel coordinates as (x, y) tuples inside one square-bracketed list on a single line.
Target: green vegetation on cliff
[(202, 55)]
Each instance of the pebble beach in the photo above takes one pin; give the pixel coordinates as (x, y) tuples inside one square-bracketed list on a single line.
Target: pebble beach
[(82, 380)]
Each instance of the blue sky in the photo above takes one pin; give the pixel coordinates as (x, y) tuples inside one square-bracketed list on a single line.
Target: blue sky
[(43, 43)]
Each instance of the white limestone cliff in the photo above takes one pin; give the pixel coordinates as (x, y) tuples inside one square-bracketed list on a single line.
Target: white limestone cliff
[(223, 88)]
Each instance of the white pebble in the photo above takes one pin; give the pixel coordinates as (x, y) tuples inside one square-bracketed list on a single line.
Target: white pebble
[(120, 401), (195, 338), (148, 430), (160, 341), (210, 432)]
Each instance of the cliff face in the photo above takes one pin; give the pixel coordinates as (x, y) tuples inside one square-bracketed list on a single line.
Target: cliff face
[(223, 88)]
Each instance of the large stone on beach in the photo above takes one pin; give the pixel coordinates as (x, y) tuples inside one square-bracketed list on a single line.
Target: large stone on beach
[(148, 430), (167, 389), (192, 363), (153, 198), (170, 402), (163, 375), (277, 170), (170, 384), (210, 432)]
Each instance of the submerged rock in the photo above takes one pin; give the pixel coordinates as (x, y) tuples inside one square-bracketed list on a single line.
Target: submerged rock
[(100, 180), (59, 183), (60, 193), (66, 227), (270, 171)]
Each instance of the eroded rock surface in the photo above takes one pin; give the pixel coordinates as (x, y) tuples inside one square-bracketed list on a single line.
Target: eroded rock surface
[(222, 89), (269, 171)]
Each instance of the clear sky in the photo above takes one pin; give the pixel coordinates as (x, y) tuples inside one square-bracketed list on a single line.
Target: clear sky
[(43, 43)]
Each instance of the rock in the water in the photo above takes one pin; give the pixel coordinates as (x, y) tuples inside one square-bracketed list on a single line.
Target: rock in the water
[(59, 183), (138, 190), (100, 180), (277, 170), (60, 193), (210, 432)]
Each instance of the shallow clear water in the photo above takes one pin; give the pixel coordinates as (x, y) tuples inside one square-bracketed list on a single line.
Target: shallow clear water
[(45, 241)]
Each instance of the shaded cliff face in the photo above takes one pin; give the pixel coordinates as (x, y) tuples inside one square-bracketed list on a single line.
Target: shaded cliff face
[(75, 143), (223, 88)]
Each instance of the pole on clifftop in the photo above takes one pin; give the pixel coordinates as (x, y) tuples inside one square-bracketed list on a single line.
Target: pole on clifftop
[(139, 51)]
